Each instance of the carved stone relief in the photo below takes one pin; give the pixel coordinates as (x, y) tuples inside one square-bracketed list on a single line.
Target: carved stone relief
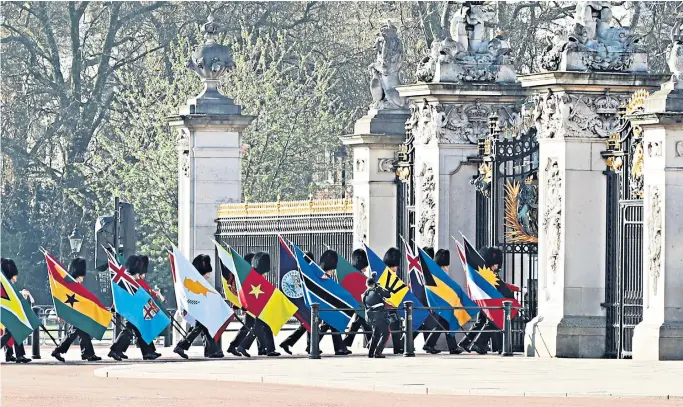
[(385, 164), (654, 149), (679, 149), (360, 165), (654, 223), (552, 222), (183, 146), (427, 221), (361, 220)]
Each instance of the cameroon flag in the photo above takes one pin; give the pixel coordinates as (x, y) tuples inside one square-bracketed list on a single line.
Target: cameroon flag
[(259, 297), (74, 304), (15, 312)]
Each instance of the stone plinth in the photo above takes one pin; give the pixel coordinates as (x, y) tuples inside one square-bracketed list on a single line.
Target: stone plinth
[(574, 112), (447, 120), (375, 145), (660, 335), (209, 174)]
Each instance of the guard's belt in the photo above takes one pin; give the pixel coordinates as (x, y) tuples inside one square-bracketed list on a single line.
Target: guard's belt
[(377, 306)]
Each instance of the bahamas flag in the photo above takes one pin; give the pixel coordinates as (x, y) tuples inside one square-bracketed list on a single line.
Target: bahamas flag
[(399, 291), (15, 311), (328, 293), (485, 287), (291, 284), (135, 304), (259, 297), (442, 291), (74, 304)]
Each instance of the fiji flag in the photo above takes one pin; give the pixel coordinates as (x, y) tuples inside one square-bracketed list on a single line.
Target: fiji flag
[(484, 286), (135, 304), (399, 291), (442, 291), (291, 284), (328, 293)]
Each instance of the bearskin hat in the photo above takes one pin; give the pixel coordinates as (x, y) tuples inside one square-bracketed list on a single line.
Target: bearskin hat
[(370, 282), (492, 255), (77, 267), (134, 264), (392, 258), (9, 269), (309, 257), (144, 267), (359, 259), (249, 257), (203, 264), (443, 257), (328, 260), (429, 251), (261, 262)]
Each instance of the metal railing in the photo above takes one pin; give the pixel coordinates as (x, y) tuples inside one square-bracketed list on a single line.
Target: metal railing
[(408, 332)]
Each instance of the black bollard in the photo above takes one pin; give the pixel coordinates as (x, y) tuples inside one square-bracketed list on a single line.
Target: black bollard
[(315, 334), (35, 339), (507, 328), (409, 343), (168, 336)]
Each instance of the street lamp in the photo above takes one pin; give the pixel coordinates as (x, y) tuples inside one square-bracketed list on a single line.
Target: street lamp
[(75, 241)]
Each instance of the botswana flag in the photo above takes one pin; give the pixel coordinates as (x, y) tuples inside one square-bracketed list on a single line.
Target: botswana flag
[(328, 293), (291, 284)]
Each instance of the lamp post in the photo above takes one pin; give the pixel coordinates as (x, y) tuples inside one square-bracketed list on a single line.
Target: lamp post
[(75, 241)]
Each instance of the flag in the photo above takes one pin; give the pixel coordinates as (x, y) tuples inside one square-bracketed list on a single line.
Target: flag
[(228, 275), (484, 286), (74, 303), (15, 311), (352, 279), (134, 303), (399, 291), (415, 275), (196, 296), (259, 297), (118, 260), (291, 284), (331, 296), (442, 291)]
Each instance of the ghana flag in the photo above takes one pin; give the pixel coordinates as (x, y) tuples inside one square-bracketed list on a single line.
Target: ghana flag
[(15, 312), (74, 304)]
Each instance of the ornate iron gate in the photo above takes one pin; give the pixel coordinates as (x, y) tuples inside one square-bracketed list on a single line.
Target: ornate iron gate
[(313, 225), (624, 261), (507, 211), (405, 181)]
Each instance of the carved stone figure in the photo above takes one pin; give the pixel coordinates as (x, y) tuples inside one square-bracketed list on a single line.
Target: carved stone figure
[(361, 220), (465, 56), (675, 60), (592, 43), (654, 223), (552, 221), (427, 222), (384, 70)]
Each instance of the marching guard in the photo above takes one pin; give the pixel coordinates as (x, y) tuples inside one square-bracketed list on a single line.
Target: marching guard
[(9, 269), (375, 309)]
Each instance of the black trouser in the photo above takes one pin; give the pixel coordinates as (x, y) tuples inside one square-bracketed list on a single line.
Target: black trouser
[(263, 335), (470, 337), (122, 341), (496, 338), (248, 322), (18, 346), (296, 335), (337, 342), (434, 336), (380, 331), (358, 323), (86, 342), (396, 334), (428, 325), (210, 346)]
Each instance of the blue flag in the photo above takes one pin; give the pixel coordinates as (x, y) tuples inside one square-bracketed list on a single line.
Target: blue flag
[(136, 305), (443, 291), (399, 291), (328, 293), (291, 284)]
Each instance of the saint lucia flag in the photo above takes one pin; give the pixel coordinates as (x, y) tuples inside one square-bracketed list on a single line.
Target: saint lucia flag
[(399, 291)]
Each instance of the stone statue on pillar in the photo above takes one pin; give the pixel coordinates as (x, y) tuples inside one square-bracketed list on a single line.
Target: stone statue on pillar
[(389, 50), (675, 60), (464, 55)]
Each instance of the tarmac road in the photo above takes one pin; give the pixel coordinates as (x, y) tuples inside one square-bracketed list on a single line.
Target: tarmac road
[(70, 385)]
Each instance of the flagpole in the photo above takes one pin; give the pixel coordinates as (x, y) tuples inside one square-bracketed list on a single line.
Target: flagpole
[(49, 334)]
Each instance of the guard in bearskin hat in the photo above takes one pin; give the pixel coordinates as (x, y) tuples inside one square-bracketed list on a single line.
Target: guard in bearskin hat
[(9, 269), (359, 260), (136, 266), (77, 270), (392, 258), (211, 350), (301, 330), (417, 288), (247, 326), (478, 342), (328, 263)]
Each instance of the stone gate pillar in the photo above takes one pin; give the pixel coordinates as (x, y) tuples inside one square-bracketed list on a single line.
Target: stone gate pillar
[(209, 129), (374, 144), (465, 80), (660, 335), (575, 108)]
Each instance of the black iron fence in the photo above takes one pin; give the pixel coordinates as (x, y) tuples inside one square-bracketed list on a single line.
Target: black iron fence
[(313, 225)]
